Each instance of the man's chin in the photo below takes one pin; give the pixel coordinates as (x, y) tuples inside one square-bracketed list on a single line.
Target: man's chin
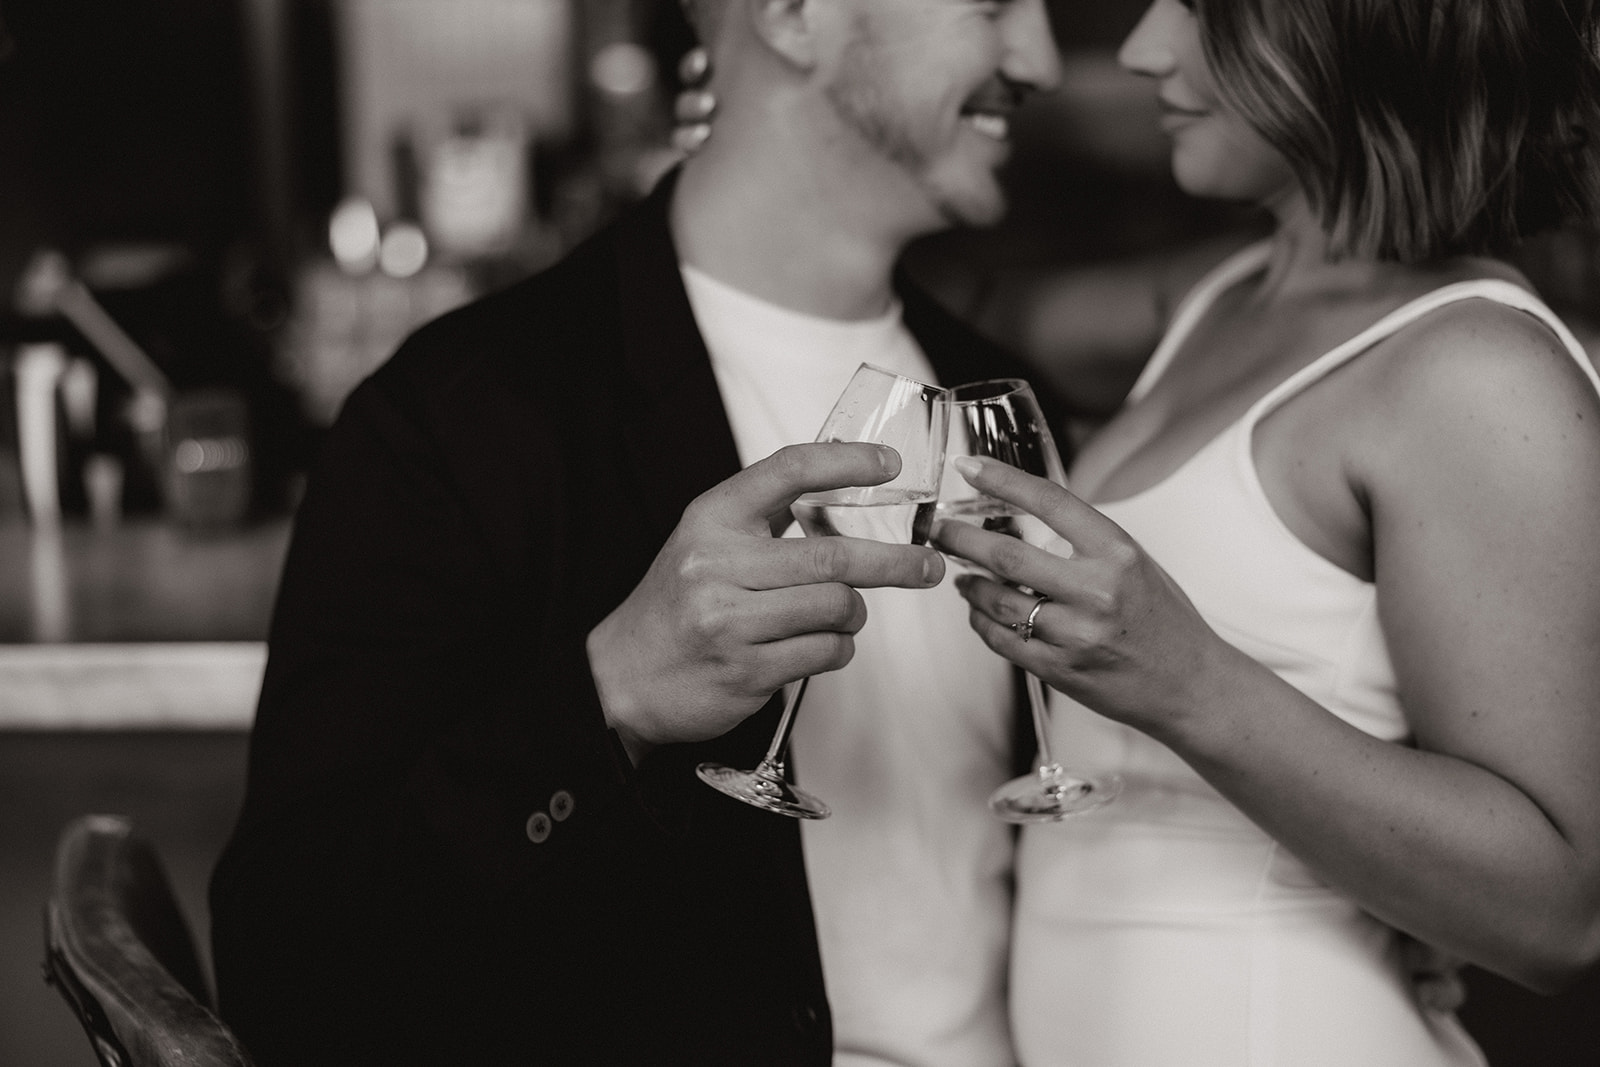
[(975, 212), (947, 206)]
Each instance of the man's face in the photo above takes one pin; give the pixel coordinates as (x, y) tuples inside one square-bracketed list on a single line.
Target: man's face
[(927, 88)]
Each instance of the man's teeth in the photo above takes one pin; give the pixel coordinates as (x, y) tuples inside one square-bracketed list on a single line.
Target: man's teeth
[(990, 125)]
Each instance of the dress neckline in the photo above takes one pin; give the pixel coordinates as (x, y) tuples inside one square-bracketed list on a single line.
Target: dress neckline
[(1251, 259)]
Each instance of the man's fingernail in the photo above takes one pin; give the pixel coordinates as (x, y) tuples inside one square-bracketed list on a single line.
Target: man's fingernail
[(968, 466), (932, 568)]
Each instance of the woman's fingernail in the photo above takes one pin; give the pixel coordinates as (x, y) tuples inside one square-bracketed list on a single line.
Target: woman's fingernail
[(1058, 546), (968, 466)]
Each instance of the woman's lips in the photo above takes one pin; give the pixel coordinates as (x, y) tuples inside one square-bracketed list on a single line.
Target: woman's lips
[(1173, 116)]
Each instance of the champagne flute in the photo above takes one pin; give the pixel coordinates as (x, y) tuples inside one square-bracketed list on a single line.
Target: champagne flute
[(884, 408), (1001, 419)]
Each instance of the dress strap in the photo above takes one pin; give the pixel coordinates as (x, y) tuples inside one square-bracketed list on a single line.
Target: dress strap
[(1497, 290), (1193, 306)]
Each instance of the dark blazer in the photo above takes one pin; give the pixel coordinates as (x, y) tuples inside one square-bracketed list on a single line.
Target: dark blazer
[(444, 856)]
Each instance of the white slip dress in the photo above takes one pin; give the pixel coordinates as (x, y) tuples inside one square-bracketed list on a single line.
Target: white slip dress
[(1167, 928)]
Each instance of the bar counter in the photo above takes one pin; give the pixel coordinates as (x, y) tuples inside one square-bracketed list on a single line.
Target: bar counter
[(142, 624)]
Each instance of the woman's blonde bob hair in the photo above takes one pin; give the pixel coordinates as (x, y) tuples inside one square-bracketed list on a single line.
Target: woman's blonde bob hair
[(1421, 128)]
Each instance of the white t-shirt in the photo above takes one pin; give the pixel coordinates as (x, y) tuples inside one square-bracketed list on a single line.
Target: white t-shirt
[(911, 878)]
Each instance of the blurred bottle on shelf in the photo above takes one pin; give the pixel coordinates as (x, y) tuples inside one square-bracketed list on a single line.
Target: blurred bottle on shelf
[(207, 461), (474, 182), (357, 302), (625, 98), (37, 374)]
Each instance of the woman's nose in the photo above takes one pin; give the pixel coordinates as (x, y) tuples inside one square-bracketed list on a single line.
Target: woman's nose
[(1148, 47)]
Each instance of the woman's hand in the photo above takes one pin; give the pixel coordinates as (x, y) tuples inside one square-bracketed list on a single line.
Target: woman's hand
[(1116, 634)]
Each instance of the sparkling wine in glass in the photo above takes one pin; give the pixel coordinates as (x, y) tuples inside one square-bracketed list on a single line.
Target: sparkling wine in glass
[(1001, 419), (880, 407)]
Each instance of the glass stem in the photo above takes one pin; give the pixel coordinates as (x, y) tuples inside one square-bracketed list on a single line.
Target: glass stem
[(1048, 767), (772, 762)]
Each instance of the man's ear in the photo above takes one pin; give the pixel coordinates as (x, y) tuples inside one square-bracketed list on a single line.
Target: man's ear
[(788, 27)]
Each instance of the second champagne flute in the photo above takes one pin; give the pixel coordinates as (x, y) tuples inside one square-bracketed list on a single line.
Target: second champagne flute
[(879, 407), (1001, 419)]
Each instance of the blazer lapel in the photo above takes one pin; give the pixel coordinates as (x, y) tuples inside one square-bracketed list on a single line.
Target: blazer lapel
[(676, 431)]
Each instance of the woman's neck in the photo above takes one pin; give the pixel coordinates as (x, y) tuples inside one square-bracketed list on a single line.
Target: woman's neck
[(1301, 262)]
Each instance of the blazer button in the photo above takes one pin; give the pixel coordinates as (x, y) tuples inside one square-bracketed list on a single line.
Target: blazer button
[(804, 1017), (538, 827), (561, 805)]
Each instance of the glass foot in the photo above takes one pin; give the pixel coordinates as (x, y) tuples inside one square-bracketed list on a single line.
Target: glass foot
[(764, 791), (1050, 795)]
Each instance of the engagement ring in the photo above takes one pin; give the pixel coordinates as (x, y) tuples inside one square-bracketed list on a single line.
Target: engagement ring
[(1024, 629)]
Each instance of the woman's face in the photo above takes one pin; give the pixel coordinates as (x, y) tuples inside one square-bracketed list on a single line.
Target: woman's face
[(1215, 152)]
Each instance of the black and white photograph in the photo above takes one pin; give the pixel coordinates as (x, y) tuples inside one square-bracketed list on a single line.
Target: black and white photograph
[(800, 533)]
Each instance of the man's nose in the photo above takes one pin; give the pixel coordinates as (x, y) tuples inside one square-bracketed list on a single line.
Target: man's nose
[(1032, 57)]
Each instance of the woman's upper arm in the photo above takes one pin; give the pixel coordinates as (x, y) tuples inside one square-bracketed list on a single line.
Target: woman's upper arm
[(1485, 495)]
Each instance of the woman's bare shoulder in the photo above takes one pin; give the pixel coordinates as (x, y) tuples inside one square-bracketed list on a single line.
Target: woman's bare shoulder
[(1481, 356), (1481, 396)]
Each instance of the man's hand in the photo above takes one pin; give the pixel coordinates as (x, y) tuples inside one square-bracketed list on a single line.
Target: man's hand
[(728, 613)]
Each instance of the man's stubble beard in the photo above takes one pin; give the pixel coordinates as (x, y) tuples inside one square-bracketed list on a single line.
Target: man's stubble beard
[(868, 104), (865, 104)]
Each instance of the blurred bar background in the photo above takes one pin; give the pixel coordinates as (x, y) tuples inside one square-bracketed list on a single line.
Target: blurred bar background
[(216, 216)]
